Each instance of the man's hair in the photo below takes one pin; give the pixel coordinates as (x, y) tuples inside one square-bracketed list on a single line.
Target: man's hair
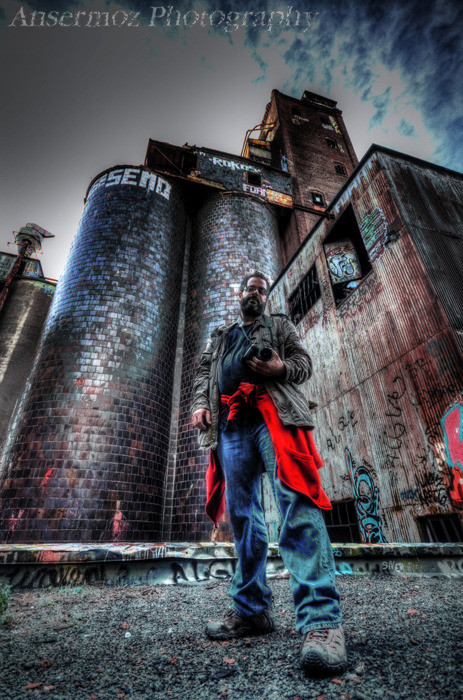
[(254, 273)]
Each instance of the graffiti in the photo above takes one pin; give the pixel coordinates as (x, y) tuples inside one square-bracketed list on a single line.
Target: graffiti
[(366, 496), (374, 233), (344, 421), (396, 430), (234, 165), (252, 189), (452, 425), (431, 490), (364, 295), (134, 177), (348, 421), (433, 434), (342, 262), (420, 366)]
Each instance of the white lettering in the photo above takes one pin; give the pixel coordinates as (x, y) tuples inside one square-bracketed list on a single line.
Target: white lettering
[(129, 175), (154, 15), (169, 14), (99, 15), (77, 20), (185, 21), (42, 19), (124, 19), (310, 19), (63, 17), (258, 23), (133, 19), (163, 188), (234, 165), (52, 17), (270, 22), (245, 18), (114, 177), (222, 17), (232, 23), (22, 16), (148, 180)]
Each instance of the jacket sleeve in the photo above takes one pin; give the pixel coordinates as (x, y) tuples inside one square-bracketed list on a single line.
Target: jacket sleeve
[(298, 364), (201, 381)]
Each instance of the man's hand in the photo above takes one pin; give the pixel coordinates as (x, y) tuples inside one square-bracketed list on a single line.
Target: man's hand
[(201, 418), (272, 368)]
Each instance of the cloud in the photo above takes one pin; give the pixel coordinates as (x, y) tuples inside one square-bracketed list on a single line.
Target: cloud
[(381, 104), (406, 129)]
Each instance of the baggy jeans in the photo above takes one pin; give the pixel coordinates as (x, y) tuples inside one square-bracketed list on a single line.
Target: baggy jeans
[(244, 451)]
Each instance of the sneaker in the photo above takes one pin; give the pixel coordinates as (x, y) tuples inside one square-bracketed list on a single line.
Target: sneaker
[(324, 651), (233, 625)]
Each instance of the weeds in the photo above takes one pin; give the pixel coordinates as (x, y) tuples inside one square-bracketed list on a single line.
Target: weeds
[(5, 595)]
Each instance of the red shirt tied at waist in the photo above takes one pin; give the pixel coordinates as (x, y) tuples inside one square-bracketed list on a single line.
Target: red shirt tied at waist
[(297, 457)]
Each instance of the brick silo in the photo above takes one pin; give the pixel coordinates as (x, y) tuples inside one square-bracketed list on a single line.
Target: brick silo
[(87, 456), (233, 233)]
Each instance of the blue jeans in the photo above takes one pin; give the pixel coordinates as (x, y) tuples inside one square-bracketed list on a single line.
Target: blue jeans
[(244, 451)]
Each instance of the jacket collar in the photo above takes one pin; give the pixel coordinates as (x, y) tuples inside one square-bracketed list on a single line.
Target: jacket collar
[(261, 320)]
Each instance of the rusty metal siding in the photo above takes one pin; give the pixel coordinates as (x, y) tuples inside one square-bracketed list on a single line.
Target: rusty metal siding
[(432, 206), (387, 368)]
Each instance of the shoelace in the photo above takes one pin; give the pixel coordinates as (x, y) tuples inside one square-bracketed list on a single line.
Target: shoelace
[(322, 635)]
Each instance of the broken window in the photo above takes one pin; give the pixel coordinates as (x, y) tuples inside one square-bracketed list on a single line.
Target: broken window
[(332, 144), (304, 296), (346, 256), (342, 522), (255, 179), (441, 528), (318, 199), (340, 169)]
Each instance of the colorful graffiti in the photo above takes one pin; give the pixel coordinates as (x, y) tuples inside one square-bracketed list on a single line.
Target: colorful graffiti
[(374, 232), (452, 425), (366, 495), (343, 262)]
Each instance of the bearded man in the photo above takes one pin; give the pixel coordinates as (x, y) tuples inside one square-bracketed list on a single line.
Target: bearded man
[(252, 416)]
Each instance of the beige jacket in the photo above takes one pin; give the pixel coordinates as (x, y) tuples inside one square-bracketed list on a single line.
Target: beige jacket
[(292, 406)]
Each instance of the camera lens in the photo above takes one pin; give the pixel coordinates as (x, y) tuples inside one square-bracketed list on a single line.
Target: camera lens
[(265, 354)]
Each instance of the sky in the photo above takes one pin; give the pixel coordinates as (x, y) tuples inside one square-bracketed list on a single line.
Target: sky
[(78, 99)]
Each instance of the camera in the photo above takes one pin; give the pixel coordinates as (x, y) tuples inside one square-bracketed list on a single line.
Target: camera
[(265, 354)]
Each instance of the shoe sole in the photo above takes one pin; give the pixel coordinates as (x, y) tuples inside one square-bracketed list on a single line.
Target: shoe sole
[(250, 632), (315, 666)]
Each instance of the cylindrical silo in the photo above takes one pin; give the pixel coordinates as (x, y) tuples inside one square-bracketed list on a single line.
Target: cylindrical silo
[(234, 233), (87, 455), (21, 324)]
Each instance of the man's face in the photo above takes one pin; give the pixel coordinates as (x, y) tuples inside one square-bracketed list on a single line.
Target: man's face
[(254, 297)]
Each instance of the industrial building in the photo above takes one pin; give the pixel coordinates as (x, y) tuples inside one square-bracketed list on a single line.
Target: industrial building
[(367, 260)]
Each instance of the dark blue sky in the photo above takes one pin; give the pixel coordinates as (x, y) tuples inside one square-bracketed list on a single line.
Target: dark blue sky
[(78, 99)]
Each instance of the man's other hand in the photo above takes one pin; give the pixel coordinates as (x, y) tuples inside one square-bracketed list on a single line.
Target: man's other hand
[(201, 419), (272, 368)]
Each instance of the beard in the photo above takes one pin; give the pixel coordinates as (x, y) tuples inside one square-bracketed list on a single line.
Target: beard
[(252, 307)]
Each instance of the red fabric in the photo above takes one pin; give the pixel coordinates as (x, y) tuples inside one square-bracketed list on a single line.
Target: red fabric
[(298, 460)]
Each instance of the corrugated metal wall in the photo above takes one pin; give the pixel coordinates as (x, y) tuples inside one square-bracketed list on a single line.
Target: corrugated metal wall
[(388, 367)]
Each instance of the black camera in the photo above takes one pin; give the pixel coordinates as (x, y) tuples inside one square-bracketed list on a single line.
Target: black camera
[(264, 354)]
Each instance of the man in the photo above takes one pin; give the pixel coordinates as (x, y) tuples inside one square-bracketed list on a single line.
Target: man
[(251, 414)]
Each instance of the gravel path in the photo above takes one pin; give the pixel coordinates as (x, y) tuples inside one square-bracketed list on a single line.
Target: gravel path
[(404, 638)]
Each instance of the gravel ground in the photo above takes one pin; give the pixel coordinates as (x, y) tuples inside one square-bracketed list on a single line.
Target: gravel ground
[(404, 640)]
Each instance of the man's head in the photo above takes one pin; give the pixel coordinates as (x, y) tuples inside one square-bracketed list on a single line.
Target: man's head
[(253, 294)]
